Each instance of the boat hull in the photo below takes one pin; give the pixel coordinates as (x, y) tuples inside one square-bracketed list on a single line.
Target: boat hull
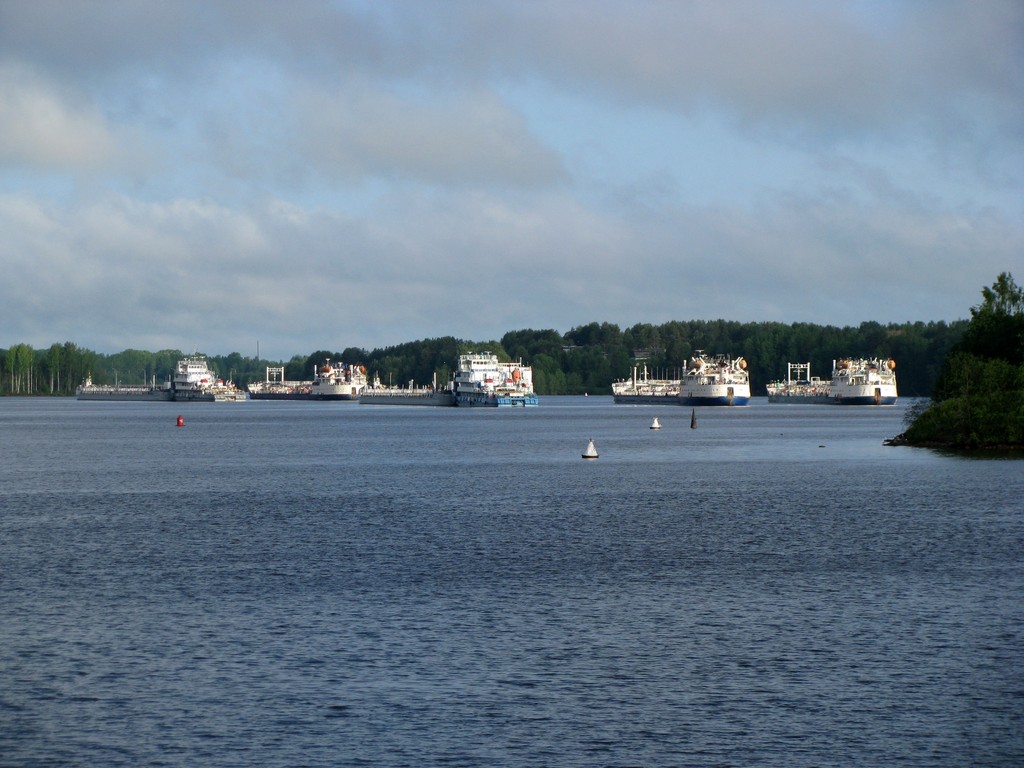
[(713, 400), (428, 399), (715, 395), (496, 401), (278, 396), (127, 394), (159, 396), (799, 399), (193, 396), (339, 390), (348, 396), (300, 396), (862, 400), (646, 399)]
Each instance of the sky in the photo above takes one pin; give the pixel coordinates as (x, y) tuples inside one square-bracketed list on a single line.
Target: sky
[(287, 177)]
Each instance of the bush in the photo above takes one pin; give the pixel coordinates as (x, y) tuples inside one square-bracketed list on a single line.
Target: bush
[(985, 406)]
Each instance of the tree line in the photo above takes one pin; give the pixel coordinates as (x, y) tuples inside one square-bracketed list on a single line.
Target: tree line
[(583, 360)]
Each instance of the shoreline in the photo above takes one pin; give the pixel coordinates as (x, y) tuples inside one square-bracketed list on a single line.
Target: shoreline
[(901, 440)]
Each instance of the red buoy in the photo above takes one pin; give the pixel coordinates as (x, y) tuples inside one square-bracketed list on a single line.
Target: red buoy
[(181, 421)]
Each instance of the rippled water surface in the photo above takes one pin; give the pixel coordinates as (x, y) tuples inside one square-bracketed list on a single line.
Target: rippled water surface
[(283, 584)]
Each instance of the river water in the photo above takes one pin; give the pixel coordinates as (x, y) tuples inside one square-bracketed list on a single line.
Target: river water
[(334, 584)]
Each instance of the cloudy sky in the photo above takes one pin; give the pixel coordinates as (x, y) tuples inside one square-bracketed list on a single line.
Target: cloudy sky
[(317, 175)]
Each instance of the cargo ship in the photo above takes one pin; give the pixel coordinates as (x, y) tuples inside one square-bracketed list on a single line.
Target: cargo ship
[(331, 381), (643, 390), (129, 392), (719, 380), (192, 381), (482, 381), (799, 386), (276, 387), (379, 394), (854, 382), (338, 382), (863, 382)]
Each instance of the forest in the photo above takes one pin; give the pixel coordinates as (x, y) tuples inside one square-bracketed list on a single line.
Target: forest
[(583, 360)]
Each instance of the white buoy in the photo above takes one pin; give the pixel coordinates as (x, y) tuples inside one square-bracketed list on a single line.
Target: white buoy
[(591, 452), (655, 424)]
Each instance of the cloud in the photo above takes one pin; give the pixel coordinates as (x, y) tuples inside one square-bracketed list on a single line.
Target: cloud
[(201, 175), (41, 128), (841, 64), (464, 138), (470, 264)]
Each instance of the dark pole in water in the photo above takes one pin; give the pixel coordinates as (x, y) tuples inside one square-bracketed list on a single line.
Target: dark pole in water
[(693, 419)]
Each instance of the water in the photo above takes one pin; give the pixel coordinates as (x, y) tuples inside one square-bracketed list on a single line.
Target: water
[(283, 584)]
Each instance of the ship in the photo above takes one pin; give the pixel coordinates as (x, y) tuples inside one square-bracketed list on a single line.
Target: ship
[(799, 386), (481, 380), (331, 381), (863, 382), (643, 390), (227, 392), (719, 380), (338, 382), (192, 381), (276, 387), (379, 394), (130, 392)]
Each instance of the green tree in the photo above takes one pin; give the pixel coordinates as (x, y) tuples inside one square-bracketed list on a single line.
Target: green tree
[(18, 364), (995, 331), (978, 400), (54, 365)]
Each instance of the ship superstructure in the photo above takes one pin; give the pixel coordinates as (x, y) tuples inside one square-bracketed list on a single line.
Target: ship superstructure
[(338, 381)]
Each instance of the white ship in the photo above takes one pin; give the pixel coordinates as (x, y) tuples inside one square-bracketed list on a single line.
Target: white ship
[(338, 382), (863, 382), (719, 380), (643, 390), (481, 380), (192, 381)]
